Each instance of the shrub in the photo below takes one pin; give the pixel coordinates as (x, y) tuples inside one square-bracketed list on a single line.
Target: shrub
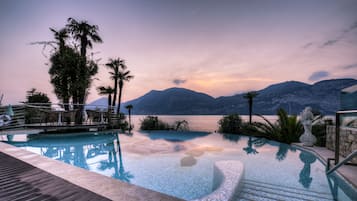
[(287, 129), (230, 124), (153, 123), (180, 126)]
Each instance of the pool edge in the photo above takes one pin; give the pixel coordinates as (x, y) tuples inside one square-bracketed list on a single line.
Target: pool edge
[(102, 185)]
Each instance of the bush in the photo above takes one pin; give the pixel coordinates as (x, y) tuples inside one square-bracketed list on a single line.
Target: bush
[(180, 126), (153, 123), (230, 124), (287, 129)]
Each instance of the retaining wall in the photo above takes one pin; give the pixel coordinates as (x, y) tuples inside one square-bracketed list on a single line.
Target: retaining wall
[(348, 140)]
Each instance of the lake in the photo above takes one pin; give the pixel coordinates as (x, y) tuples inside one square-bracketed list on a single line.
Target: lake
[(208, 123)]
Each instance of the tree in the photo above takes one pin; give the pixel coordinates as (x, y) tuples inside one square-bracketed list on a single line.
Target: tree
[(64, 75), (61, 36), (114, 65), (63, 61), (129, 108), (250, 96), (123, 76), (37, 97), (107, 91), (85, 34), (230, 124)]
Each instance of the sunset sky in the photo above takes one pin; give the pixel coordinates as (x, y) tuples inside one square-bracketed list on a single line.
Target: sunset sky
[(217, 47)]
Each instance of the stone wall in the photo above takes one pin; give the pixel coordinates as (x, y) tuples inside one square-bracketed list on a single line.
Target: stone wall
[(348, 140)]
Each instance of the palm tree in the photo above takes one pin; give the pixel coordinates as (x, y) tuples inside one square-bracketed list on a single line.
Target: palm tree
[(287, 129), (250, 95), (129, 108), (62, 63), (123, 76), (61, 37), (84, 33), (290, 127), (106, 91), (114, 65)]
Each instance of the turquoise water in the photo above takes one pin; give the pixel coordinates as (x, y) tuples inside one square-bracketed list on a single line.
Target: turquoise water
[(180, 164)]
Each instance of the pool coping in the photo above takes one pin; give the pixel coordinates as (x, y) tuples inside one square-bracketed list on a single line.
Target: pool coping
[(102, 185)]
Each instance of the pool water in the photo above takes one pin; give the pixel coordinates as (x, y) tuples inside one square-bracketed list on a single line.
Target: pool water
[(180, 163)]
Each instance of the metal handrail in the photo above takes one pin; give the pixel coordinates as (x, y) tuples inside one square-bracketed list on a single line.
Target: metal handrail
[(349, 157)]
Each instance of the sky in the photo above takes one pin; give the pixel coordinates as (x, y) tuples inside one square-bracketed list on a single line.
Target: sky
[(216, 47)]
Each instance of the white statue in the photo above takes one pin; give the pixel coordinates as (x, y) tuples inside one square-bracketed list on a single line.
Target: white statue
[(308, 139)]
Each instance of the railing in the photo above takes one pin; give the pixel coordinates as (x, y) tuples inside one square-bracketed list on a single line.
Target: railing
[(17, 116), (349, 157), (45, 114), (338, 164)]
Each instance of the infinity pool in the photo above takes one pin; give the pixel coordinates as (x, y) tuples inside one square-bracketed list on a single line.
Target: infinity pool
[(180, 163)]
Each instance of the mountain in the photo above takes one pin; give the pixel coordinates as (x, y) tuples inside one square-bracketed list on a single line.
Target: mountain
[(291, 95), (173, 101)]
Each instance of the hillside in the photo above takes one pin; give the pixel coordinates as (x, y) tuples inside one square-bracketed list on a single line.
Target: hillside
[(292, 96)]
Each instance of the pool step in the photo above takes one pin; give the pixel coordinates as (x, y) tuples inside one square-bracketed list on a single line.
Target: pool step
[(260, 191)]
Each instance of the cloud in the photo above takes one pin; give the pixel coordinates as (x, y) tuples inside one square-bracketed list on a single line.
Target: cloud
[(178, 81), (318, 75), (307, 45), (330, 42), (342, 35), (351, 28), (349, 66)]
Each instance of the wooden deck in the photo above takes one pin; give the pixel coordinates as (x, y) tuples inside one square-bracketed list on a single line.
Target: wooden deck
[(22, 181)]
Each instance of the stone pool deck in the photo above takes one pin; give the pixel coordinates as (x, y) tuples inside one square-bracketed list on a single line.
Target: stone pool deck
[(349, 172), (43, 178)]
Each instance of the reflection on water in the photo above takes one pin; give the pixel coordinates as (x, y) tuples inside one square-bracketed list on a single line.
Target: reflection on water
[(78, 150), (249, 149), (308, 159), (283, 150), (165, 154), (252, 144), (258, 142), (231, 137), (173, 136)]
